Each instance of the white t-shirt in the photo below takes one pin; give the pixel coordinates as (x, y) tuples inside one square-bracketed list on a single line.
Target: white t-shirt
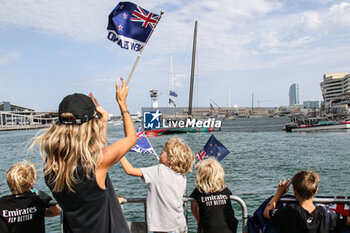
[(164, 198)]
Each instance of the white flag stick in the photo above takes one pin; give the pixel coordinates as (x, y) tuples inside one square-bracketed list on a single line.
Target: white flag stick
[(155, 153), (157, 156)]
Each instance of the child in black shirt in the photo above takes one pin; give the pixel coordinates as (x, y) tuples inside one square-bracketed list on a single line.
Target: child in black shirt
[(305, 217), (212, 207), (24, 211)]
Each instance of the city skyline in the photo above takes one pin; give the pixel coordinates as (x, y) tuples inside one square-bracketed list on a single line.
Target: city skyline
[(51, 49)]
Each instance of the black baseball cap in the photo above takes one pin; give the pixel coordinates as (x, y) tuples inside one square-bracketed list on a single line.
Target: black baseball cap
[(80, 105)]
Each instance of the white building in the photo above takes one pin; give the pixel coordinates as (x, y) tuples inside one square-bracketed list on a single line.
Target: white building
[(334, 87)]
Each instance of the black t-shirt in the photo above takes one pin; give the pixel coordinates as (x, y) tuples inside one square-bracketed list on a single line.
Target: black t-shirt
[(23, 213), (294, 218), (90, 208), (215, 212)]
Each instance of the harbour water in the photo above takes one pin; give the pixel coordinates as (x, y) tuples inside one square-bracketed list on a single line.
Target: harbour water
[(261, 154)]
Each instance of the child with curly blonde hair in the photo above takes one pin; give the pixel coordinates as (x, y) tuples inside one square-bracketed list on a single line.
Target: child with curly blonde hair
[(166, 186), (25, 210), (212, 207)]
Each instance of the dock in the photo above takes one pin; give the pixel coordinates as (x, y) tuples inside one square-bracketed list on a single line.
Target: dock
[(22, 127), (26, 120)]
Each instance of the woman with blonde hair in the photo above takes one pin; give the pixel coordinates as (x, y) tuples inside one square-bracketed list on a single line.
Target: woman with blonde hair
[(212, 207), (77, 160)]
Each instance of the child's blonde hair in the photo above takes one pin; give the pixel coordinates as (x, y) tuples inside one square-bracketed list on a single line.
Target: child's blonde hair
[(210, 176), (180, 155), (21, 177), (64, 146)]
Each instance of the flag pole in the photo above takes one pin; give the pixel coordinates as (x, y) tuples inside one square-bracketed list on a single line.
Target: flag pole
[(139, 54), (157, 156)]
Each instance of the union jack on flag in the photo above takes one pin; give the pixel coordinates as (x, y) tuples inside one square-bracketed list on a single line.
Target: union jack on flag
[(142, 144), (129, 25), (140, 15), (201, 155)]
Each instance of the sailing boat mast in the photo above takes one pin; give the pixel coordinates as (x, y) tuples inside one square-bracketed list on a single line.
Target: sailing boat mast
[(171, 82), (192, 68), (252, 104)]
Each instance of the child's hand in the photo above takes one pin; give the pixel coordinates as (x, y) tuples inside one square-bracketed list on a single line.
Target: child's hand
[(283, 187)]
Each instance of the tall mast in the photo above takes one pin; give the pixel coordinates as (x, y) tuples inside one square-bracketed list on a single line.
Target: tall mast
[(192, 68), (172, 73), (171, 82), (229, 98), (252, 103)]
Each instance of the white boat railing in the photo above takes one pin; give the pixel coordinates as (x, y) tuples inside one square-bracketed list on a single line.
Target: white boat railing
[(319, 200), (189, 199)]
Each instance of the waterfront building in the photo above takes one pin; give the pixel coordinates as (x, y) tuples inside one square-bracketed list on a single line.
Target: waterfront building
[(7, 106), (18, 117), (294, 94), (312, 104), (336, 92)]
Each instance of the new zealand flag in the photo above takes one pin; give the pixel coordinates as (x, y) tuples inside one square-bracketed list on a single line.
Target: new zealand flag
[(213, 148), (129, 25), (142, 144), (172, 93)]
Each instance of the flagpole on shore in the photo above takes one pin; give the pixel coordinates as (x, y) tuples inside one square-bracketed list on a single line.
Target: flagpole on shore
[(139, 54)]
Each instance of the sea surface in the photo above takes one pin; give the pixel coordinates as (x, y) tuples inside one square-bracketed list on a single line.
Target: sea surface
[(261, 154)]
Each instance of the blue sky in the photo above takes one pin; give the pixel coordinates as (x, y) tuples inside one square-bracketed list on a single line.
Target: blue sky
[(52, 48)]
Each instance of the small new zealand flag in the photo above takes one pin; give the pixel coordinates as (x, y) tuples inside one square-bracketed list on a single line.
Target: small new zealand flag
[(213, 148)]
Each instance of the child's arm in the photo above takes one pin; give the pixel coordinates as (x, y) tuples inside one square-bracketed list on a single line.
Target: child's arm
[(283, 187), (195, 210), (52, 211), (129, 169), (347, 221)]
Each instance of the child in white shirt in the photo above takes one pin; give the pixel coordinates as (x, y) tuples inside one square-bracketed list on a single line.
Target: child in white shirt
[(166, 186)]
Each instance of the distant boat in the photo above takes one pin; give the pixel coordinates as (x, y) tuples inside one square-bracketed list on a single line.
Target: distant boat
[(136, 119), (302, 124), (119, 122), (166, 131)]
